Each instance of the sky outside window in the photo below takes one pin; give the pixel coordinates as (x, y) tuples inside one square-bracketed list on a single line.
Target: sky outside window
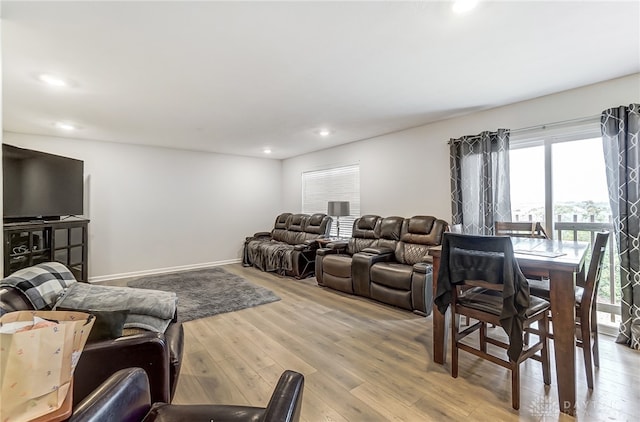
[(578, 179)]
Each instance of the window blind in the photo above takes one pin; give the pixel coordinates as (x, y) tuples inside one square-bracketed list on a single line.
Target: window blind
[(333, 184)]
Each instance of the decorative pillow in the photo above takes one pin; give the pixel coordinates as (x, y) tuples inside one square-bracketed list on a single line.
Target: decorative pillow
[(108, 324), (41, 284)]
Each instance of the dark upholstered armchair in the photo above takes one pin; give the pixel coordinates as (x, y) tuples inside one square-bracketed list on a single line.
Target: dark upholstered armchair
[(124, 397), (333, 262), (159, 354), (399, 273)]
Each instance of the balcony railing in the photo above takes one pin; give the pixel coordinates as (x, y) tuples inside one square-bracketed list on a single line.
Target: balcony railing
[(586, 231)]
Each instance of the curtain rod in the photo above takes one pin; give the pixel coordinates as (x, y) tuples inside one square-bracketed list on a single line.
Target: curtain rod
[(543, 126), (560, 123)]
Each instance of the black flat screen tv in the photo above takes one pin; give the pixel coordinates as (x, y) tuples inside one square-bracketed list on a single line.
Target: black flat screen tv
[(38, 185)]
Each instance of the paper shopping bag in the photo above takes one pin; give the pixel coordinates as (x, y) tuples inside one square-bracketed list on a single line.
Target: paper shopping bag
[(36, 366)]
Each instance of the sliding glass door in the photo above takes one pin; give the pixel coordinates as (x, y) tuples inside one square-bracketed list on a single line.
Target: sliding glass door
[(561, 182)]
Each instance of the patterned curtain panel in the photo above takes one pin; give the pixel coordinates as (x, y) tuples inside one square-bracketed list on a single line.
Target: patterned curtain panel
[(480, 181), (620, 130)]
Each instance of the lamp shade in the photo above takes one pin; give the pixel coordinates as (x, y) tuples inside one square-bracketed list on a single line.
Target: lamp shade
[(338, 208)]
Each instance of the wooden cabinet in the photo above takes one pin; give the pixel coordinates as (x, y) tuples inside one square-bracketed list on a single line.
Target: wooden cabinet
[(64, 241)]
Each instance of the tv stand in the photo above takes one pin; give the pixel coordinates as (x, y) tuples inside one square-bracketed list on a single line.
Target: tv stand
[(28, 243)]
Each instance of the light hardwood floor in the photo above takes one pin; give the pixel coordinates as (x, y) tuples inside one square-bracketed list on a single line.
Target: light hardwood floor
[(365, 361)]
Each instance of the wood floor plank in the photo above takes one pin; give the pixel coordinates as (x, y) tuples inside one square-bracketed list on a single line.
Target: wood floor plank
[(380, 398), (349, 406), (211, 376)]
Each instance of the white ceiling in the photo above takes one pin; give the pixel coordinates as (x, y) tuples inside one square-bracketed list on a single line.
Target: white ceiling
[(236, 77)]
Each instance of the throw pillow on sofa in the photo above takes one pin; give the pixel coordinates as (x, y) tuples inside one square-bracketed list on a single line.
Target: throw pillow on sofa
[(108, 325)]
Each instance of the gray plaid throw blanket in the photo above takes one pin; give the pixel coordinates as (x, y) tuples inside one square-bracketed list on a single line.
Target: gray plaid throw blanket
[(41, 284)]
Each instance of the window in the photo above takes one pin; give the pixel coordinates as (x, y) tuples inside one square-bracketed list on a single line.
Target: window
[(334, 184), (557, 177)]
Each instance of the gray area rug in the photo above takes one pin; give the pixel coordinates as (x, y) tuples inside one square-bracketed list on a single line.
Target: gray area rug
[(207, 292)]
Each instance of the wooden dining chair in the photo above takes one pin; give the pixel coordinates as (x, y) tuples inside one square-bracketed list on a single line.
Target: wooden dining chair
[(523, 229), (586, 313), (474, 271), (520, 229), (455, 228)]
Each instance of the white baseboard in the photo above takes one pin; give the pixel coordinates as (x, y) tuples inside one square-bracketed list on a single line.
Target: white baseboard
[(166, 270)]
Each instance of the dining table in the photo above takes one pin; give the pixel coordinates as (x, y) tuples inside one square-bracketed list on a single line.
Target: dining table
[(563, 263)]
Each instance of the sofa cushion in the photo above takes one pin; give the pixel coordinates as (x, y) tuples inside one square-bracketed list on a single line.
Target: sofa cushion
[(422, 229), (316, 219), (392, 274), (418, 234), (390, 228), (279, 235), (296, 222), (337, 265), (411, 253), (366, 227), (365, 233), (41, 284), (293, 237), (281, 221)]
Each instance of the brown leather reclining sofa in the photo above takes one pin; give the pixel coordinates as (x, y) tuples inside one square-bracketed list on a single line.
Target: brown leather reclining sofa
[(290, 248), (386, 259), (160, 355)]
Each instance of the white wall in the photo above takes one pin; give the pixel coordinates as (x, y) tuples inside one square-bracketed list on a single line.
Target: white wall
[(407, 173), (158, 208)]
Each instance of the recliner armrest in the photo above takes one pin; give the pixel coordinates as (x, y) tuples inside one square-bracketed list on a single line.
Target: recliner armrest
[(421, 267), (312, 243), (338, 244), (286, 400), (284, 406), (99, 360), (326, 251), (378, 251), (124, 396)]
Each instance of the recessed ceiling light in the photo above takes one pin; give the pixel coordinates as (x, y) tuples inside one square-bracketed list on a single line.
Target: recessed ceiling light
[(462, 6), (65, 126), (267, 151), (324, 132), (52, 80)]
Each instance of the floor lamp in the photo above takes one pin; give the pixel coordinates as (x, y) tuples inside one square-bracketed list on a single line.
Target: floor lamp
[(338, 209)]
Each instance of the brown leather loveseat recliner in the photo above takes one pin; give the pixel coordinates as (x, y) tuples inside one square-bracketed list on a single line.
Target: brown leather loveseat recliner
[(290, 248), (334, 261), (394, 266)]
